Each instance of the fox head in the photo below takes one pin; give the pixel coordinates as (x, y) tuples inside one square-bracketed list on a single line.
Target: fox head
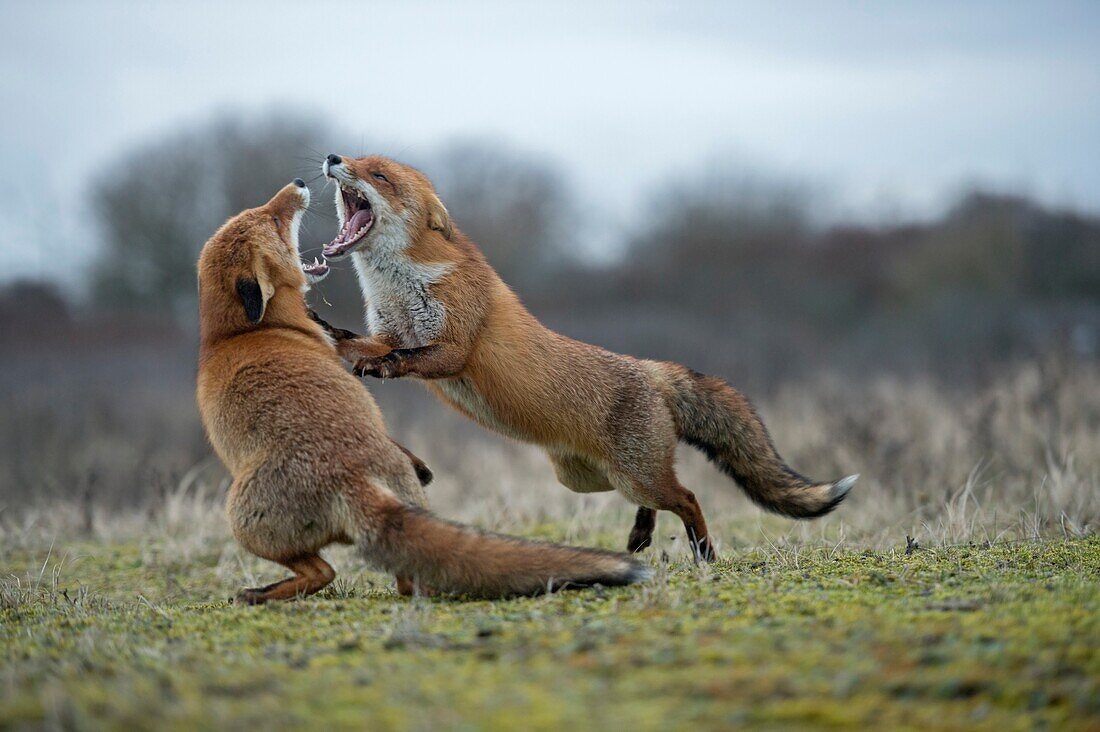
[(383, 205), (249, 271)]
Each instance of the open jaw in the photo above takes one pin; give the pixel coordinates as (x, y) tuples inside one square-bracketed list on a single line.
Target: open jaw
[(358, 218), (315, 271)]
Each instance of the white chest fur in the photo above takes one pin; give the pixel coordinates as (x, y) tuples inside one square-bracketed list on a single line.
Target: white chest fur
[(398, 297)]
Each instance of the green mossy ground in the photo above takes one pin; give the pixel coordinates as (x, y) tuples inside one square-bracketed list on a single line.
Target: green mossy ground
[(1001, 637)]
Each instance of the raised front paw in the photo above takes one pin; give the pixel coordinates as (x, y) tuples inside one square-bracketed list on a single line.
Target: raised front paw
[(389, 366), (337, 334), (312, 314)]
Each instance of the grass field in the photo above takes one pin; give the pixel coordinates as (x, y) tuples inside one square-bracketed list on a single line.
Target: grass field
[(138, 634), (113, 585)]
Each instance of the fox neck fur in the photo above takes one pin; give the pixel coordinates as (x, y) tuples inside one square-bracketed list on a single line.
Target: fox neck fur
[(398, 297)]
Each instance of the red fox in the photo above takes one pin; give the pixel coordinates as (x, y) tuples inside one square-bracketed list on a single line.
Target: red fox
[(312, 464), (436, 310)]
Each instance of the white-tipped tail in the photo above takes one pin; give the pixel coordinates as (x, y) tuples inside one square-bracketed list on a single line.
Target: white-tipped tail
[(842, 486)]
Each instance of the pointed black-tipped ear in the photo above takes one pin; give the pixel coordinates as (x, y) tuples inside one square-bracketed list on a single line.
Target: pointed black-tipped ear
[(252, 298)]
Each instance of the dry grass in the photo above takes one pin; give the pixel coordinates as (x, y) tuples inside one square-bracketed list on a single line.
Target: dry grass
[(1017, 459), (113, 612)]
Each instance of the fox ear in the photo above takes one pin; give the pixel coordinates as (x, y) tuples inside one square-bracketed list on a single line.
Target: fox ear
[(438, 218), (252, 299), (254, 293)]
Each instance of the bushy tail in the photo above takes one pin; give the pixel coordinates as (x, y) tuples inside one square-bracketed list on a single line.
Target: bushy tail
[(719, 420), (452, 558)]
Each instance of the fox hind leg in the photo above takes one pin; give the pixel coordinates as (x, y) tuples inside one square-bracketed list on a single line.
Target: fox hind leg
[(311, 574), (581, 475), (641, 536), (665, 494), (683, 503)]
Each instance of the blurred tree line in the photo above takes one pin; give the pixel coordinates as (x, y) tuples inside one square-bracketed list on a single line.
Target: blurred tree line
[(729, 274), (996, 277), (157, 205)]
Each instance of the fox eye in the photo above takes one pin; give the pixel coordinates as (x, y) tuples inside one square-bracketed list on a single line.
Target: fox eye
[(379, 176), (275, 220)]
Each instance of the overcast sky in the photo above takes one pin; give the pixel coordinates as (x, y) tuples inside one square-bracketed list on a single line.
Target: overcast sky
[(890, 107)]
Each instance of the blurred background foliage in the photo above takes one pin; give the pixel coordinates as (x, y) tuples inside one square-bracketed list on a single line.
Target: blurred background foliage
[(725, 269), (729, 272)]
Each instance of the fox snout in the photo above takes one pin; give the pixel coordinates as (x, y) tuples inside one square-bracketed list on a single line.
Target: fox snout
[(331, 161), (294, 197)]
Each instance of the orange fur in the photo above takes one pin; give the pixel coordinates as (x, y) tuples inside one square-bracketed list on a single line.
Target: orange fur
[(311, 461), (436, 310)]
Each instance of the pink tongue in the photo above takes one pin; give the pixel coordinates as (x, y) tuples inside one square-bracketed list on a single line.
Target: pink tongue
[(348, 232), (357, 222)]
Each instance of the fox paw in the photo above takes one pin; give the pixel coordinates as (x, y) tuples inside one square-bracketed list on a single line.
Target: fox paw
[(337, 334), (639, 541), (389, 366)]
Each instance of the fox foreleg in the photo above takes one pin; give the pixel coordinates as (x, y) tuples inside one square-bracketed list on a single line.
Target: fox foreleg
[(437, 361), (336, 334)]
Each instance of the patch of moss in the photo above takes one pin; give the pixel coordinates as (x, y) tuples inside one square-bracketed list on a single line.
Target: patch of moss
[(1006, 636)]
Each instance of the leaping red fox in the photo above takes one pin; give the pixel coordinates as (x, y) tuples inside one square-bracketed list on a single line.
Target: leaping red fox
[(312, 464), (436, 310)]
